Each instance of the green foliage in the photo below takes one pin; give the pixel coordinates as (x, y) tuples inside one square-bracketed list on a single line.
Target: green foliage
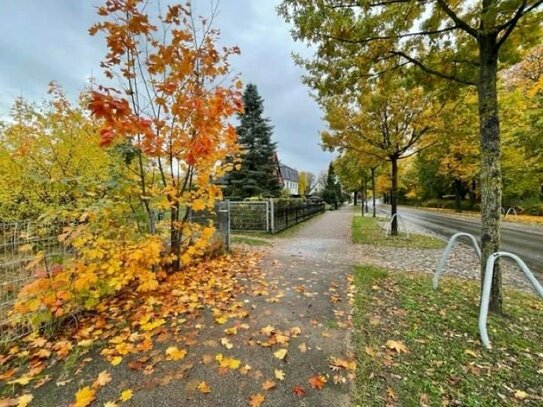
[(258, 174), (331, 193)]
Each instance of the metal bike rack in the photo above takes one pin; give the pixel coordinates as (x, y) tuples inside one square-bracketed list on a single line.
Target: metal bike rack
[(487, 285), (389, 229), (509, 210), (445, 256)]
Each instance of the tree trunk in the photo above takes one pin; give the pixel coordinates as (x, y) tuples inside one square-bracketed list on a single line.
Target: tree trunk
[(457, 195), (355, 197), (491, 189), (373, 189), (472, 195), (394, 196), (175, 238)]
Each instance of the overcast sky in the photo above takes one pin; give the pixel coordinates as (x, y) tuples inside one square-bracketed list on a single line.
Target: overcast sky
[(44, 40)]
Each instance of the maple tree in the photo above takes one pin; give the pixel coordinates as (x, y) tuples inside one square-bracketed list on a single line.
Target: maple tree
[(174, 117), (461, 42), (385, 120)]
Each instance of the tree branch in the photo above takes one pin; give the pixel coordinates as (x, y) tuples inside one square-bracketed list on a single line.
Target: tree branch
[(389, 37), (457, 20), (433, 71)]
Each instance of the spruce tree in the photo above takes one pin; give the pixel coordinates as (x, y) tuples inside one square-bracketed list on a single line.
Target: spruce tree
[(332, 190), (259, 167)]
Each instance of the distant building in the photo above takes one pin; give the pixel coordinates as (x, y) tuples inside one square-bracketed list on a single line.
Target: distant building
[(289, 178)]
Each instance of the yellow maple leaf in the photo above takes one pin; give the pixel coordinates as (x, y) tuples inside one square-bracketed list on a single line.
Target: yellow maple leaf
[(398, 346), (24, 400), (102, 379), (84, 397), (116, 360), (126, 395), (204, 388), (110, 404), (280, 354), (279, 374), (173, 353)]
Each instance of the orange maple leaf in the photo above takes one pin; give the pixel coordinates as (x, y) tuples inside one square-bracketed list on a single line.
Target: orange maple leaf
[(317, 382), (256, 400)]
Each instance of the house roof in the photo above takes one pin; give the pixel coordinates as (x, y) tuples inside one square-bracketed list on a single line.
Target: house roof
[(288, 174)]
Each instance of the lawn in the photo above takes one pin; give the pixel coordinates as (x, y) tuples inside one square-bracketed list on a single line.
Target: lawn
[(365, 230), (419, 347)]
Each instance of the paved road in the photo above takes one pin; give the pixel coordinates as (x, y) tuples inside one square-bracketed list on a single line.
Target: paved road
[(523, 240)]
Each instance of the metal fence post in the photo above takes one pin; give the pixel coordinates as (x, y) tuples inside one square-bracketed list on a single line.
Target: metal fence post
[(228, 230), (267, 215), (272, 217)]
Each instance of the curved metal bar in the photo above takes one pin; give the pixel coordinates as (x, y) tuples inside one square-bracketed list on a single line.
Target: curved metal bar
[(400, 217), (487, 285), (445, 256), (509, 210)]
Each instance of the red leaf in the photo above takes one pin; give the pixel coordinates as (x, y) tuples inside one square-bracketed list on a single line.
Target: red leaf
[(298, 391)]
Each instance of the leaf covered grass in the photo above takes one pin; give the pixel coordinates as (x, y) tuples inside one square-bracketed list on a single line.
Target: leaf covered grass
[(365, 230), (420, 347)]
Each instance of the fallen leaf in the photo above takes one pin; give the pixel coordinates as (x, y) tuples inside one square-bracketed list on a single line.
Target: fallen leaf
[(84, 397), (268, 385), (317, 382), (102, 379), (267, 330), (298, 391), (398, 346), (126, 395), (256, 400), (204, 388), (280, 354), (226, 343), (520, 394), (471, 353), (279, 374), (24, 400), (173, 353), (116, 360), (302, 347), (110, 404)]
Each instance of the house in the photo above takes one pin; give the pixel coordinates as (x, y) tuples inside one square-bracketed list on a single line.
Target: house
[(289, 178)]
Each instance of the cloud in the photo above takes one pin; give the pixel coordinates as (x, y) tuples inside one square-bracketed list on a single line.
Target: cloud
[(48, 40)]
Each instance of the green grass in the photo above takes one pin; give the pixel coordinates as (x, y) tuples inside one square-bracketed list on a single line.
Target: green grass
[(445, 363), (251, 240), (365, 230)]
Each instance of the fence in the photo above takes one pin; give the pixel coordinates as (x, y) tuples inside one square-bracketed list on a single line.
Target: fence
[(270, 216), (31, 250)]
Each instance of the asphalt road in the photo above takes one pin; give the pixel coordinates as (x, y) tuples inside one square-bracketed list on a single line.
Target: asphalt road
[(523, 240)]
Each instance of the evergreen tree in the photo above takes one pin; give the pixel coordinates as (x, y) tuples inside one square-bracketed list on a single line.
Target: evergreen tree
[(332, 190), (259, 166)]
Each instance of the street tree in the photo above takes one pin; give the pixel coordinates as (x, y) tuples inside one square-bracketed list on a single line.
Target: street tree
[(461, 41)]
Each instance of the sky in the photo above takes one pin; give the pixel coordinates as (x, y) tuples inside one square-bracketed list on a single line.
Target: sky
[(44, 40)]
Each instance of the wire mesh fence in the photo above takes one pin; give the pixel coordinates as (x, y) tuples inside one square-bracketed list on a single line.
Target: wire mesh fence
[(33, 250)]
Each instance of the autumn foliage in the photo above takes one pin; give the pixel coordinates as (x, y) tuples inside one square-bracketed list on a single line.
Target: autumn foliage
[(167, 132)]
